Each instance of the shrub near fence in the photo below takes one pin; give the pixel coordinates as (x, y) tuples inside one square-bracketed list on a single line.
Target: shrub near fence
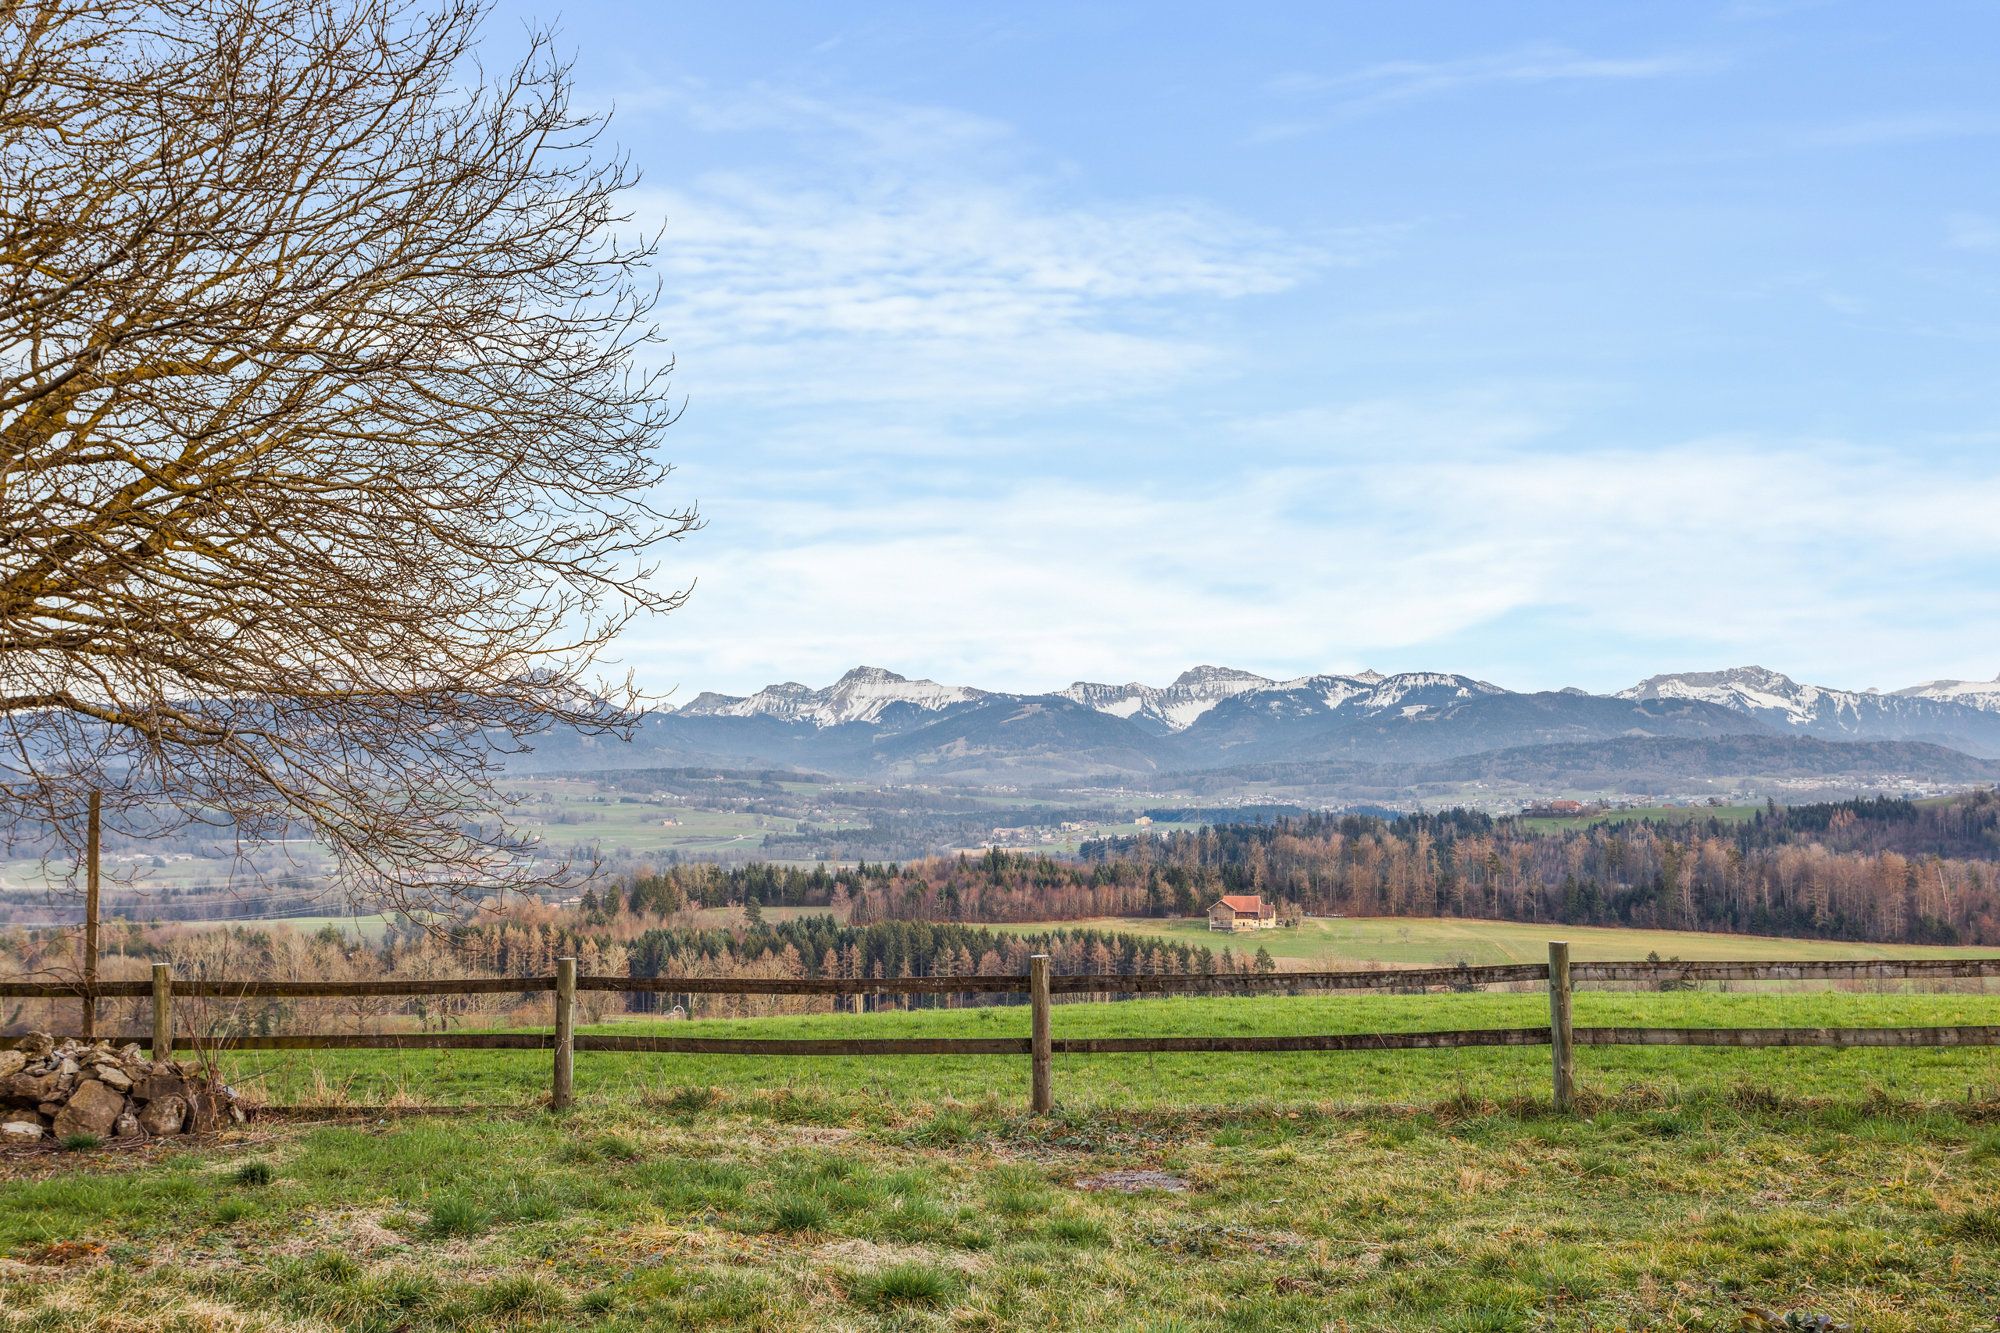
[(1558, 974)]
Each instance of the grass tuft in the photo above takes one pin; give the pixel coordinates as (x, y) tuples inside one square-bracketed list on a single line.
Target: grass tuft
[(452, 1216), (80, 1142), (905, 1284), (254, 1173), (602, 1148), (1078, 1231), (521, 1295), (684, 1102), (1981, 1225), (799, 1212)]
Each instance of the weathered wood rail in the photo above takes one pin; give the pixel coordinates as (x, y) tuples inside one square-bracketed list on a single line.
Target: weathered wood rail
[(1559, 974)]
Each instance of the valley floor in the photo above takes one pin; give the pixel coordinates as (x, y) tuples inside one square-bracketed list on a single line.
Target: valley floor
[(1369, 1191)]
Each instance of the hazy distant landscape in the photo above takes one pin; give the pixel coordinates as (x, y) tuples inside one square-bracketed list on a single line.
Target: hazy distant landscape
[(878, 767)]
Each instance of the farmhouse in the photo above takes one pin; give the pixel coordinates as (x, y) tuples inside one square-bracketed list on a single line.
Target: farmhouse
[(1555, 810), (1242, 911)]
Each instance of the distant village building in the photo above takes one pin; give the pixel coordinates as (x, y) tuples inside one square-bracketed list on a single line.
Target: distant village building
[(1555, 810), (1242, 911)]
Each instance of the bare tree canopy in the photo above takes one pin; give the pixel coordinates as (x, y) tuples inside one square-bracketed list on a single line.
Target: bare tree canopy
[(329, 408)]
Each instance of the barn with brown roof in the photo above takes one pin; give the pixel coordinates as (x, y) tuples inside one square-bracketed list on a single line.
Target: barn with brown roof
[(1242, 911)]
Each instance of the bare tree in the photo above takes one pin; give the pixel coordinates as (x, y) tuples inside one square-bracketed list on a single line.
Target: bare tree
[(329, 406)]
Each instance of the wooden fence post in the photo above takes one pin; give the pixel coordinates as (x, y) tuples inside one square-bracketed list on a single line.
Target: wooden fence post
[(565, 1073), (163, 1012), (1561, 1034), (93, 843), (1039, 1046)]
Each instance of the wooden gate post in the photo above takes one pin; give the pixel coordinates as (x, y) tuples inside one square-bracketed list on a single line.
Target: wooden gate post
[(564, 1092), (163, 1012), (1561, 1034), (1039, 1046)]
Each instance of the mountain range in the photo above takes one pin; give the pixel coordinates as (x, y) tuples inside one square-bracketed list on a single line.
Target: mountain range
[(875, 723)]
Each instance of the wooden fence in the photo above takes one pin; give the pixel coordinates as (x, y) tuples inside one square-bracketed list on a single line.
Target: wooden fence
[(1040, 986)]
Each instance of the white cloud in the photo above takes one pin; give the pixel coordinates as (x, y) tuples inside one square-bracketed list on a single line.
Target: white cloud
[(901, 255), (1333, 97), (1972, 231), (1891, 129), (1799, 555)]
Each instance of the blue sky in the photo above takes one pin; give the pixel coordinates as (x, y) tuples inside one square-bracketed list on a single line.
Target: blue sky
[(1557, 344)]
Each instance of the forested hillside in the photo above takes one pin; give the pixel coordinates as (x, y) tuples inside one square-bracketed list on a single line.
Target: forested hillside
[(1880, 869)]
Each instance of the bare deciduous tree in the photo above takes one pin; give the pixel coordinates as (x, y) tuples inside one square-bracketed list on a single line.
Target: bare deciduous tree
[(329, 403)]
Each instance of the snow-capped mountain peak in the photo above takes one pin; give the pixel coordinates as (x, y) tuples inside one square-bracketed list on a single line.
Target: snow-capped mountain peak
[(1197, 692), (859, 696), (1215, 678), (1177, 706), (1747, 689), (1920, 711), (1980, 694)]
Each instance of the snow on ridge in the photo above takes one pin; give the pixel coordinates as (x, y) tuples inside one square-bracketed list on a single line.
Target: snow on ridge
[(862, 695), (1762, 693), (1177, 706), (1197, 691), (865, 694), (1749, 689), (1980, 694)]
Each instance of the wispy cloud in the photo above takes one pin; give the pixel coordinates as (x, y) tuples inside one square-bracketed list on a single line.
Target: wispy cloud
[(1322, 99), (915, 257), (1893, 128), (1372, 556), (1972, 231)]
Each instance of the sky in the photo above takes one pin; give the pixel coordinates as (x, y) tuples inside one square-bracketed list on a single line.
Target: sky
[(1554, 344)]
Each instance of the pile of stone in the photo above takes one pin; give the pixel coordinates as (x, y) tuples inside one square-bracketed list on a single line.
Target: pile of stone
[(56, 1089)]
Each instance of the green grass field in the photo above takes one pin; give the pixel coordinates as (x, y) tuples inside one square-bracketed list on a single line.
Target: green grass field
[(639, 826), (1663, 814), (1336, 942), (1370, 1191), (1118, 1082)]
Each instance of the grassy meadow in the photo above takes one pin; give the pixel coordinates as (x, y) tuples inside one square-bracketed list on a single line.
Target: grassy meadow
[(1659, 814), (1353, 1080), (1355, 1191), (1697, 1189), (1332, 943)]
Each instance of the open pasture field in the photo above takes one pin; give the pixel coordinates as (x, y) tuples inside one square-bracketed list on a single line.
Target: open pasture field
[(580, 811), (1337, 942), (1360, 1191), (1659, 814), (717, 918), (1111, 1083)]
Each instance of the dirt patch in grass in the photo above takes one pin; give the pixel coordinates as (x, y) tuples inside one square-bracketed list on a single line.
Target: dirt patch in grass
[(867, 1256), (1134, 1182), (357, 1232)]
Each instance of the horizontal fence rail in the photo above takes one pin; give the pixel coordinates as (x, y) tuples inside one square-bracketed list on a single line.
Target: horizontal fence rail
[(1860, 969), (1558, 974), (280, 990), (1395, 978), (978, 985), (1392, 978), (1885, 1036), (367, 1041)]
